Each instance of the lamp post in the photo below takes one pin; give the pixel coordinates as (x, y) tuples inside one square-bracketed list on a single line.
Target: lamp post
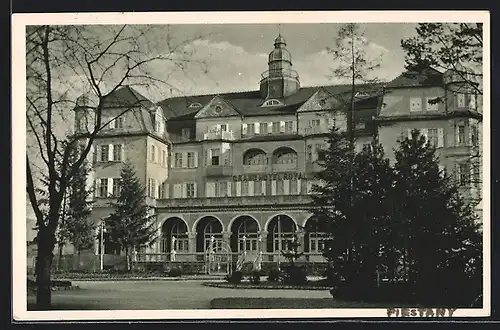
[(244, 246), (259, 260), (103, 230)]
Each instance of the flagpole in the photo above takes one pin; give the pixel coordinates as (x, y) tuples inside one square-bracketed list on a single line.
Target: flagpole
[(279, 242)]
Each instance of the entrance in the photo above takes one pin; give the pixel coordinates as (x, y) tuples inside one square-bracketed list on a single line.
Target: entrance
[(218, 259)]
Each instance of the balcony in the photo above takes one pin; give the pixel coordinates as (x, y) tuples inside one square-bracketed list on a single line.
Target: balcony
[(255, 168), (313, 130), (285, 167), (219, 135), (218, 170), (224, 202)]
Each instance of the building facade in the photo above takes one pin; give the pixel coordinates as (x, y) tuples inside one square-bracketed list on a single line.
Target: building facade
[(232, 173)]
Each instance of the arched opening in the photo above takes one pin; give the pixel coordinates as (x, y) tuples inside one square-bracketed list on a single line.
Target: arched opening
[(281, 230), (314, 238), (244, 234), (284, 155), (207, 228), (174, 236), (254, 157)]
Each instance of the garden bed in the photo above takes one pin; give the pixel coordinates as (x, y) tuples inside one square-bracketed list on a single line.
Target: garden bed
[(316, 285)]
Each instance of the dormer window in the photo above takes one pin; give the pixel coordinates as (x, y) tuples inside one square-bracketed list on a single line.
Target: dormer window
[(271, 103), (361, 94), (159, 123), (195, 105)]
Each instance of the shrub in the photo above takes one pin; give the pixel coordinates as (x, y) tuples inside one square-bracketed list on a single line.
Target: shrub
[(295, 275), (235, 277), (275, 275), (175, 272), (255, 277)]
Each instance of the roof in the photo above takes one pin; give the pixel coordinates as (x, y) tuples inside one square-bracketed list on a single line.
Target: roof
[(249, 103), (425, 77), (126, 96)]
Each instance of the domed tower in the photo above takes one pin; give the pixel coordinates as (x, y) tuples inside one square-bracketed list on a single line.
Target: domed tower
[(279, 80)]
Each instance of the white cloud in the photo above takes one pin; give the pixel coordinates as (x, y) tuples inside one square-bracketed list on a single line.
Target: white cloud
[(229, 67)]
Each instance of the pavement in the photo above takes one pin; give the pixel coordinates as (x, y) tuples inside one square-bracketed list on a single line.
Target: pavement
[(154, 295)]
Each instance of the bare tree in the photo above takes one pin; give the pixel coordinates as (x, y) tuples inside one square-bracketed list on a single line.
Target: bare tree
[(61, 63)]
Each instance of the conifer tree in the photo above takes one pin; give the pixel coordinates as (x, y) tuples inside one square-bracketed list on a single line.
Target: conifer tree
[(440, 236), (359, 237), (80, 229), (131, 225)]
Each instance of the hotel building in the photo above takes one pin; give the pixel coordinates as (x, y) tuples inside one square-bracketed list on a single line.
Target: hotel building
[(232, 172)]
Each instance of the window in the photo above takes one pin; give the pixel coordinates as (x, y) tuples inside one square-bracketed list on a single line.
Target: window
[(117, 152), (223, 127), (190, 190), (190, 159), (472, 102), (270, 103), (474, 135), (432, 104), (215, 160), (257, 188), (318, 148), (251, 129), (103, 187), (293, 187), (186, 133), (461, 134), (116, 187), (289, 126), (276, 127), (119, 122), (460, 100), (255, 157), (263, 128), (416, 104), (195, 105), (314, 123), (178, 159), (432, 136), (152, 188), (164, 158), (287, 158), (152, 157), (280, 190), (463, 174), (104, 152), (476, 175), (309, 153)]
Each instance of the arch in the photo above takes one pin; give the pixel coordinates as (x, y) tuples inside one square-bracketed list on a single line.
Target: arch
[(244, 233), (268, 222), (255, 156), (314, 238), (195, 224), (178, 228), (177, 216), (278, 235), (207, 227), (230, 225), (284, 155)]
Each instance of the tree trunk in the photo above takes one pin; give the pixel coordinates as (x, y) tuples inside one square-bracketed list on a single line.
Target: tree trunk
[(46, 243), (60, 251)]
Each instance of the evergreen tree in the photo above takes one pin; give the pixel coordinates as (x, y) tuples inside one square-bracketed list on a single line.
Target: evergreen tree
[(358, 231), (131, 225), (81, 230), (440, 237), (294, 274)]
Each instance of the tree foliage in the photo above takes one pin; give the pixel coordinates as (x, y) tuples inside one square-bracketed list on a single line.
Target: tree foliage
[(447, 46), (408, 221), (131, 225)]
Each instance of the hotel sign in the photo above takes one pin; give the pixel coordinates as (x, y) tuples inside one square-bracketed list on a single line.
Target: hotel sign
[(271, 177)]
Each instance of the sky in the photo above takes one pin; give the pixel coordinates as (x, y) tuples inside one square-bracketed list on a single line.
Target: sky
[(236, 54)]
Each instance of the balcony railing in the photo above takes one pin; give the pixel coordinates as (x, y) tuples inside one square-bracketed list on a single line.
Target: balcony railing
[(281, 73), (234, 201), (313, 130), (219, 135), (218, 170), (255, 168), (285, 167)]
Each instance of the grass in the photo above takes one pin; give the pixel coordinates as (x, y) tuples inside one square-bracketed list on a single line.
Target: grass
[(293, 303)]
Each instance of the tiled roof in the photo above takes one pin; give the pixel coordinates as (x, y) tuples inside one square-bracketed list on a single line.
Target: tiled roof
[(426, 77), (126, 96), (249, 103)]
